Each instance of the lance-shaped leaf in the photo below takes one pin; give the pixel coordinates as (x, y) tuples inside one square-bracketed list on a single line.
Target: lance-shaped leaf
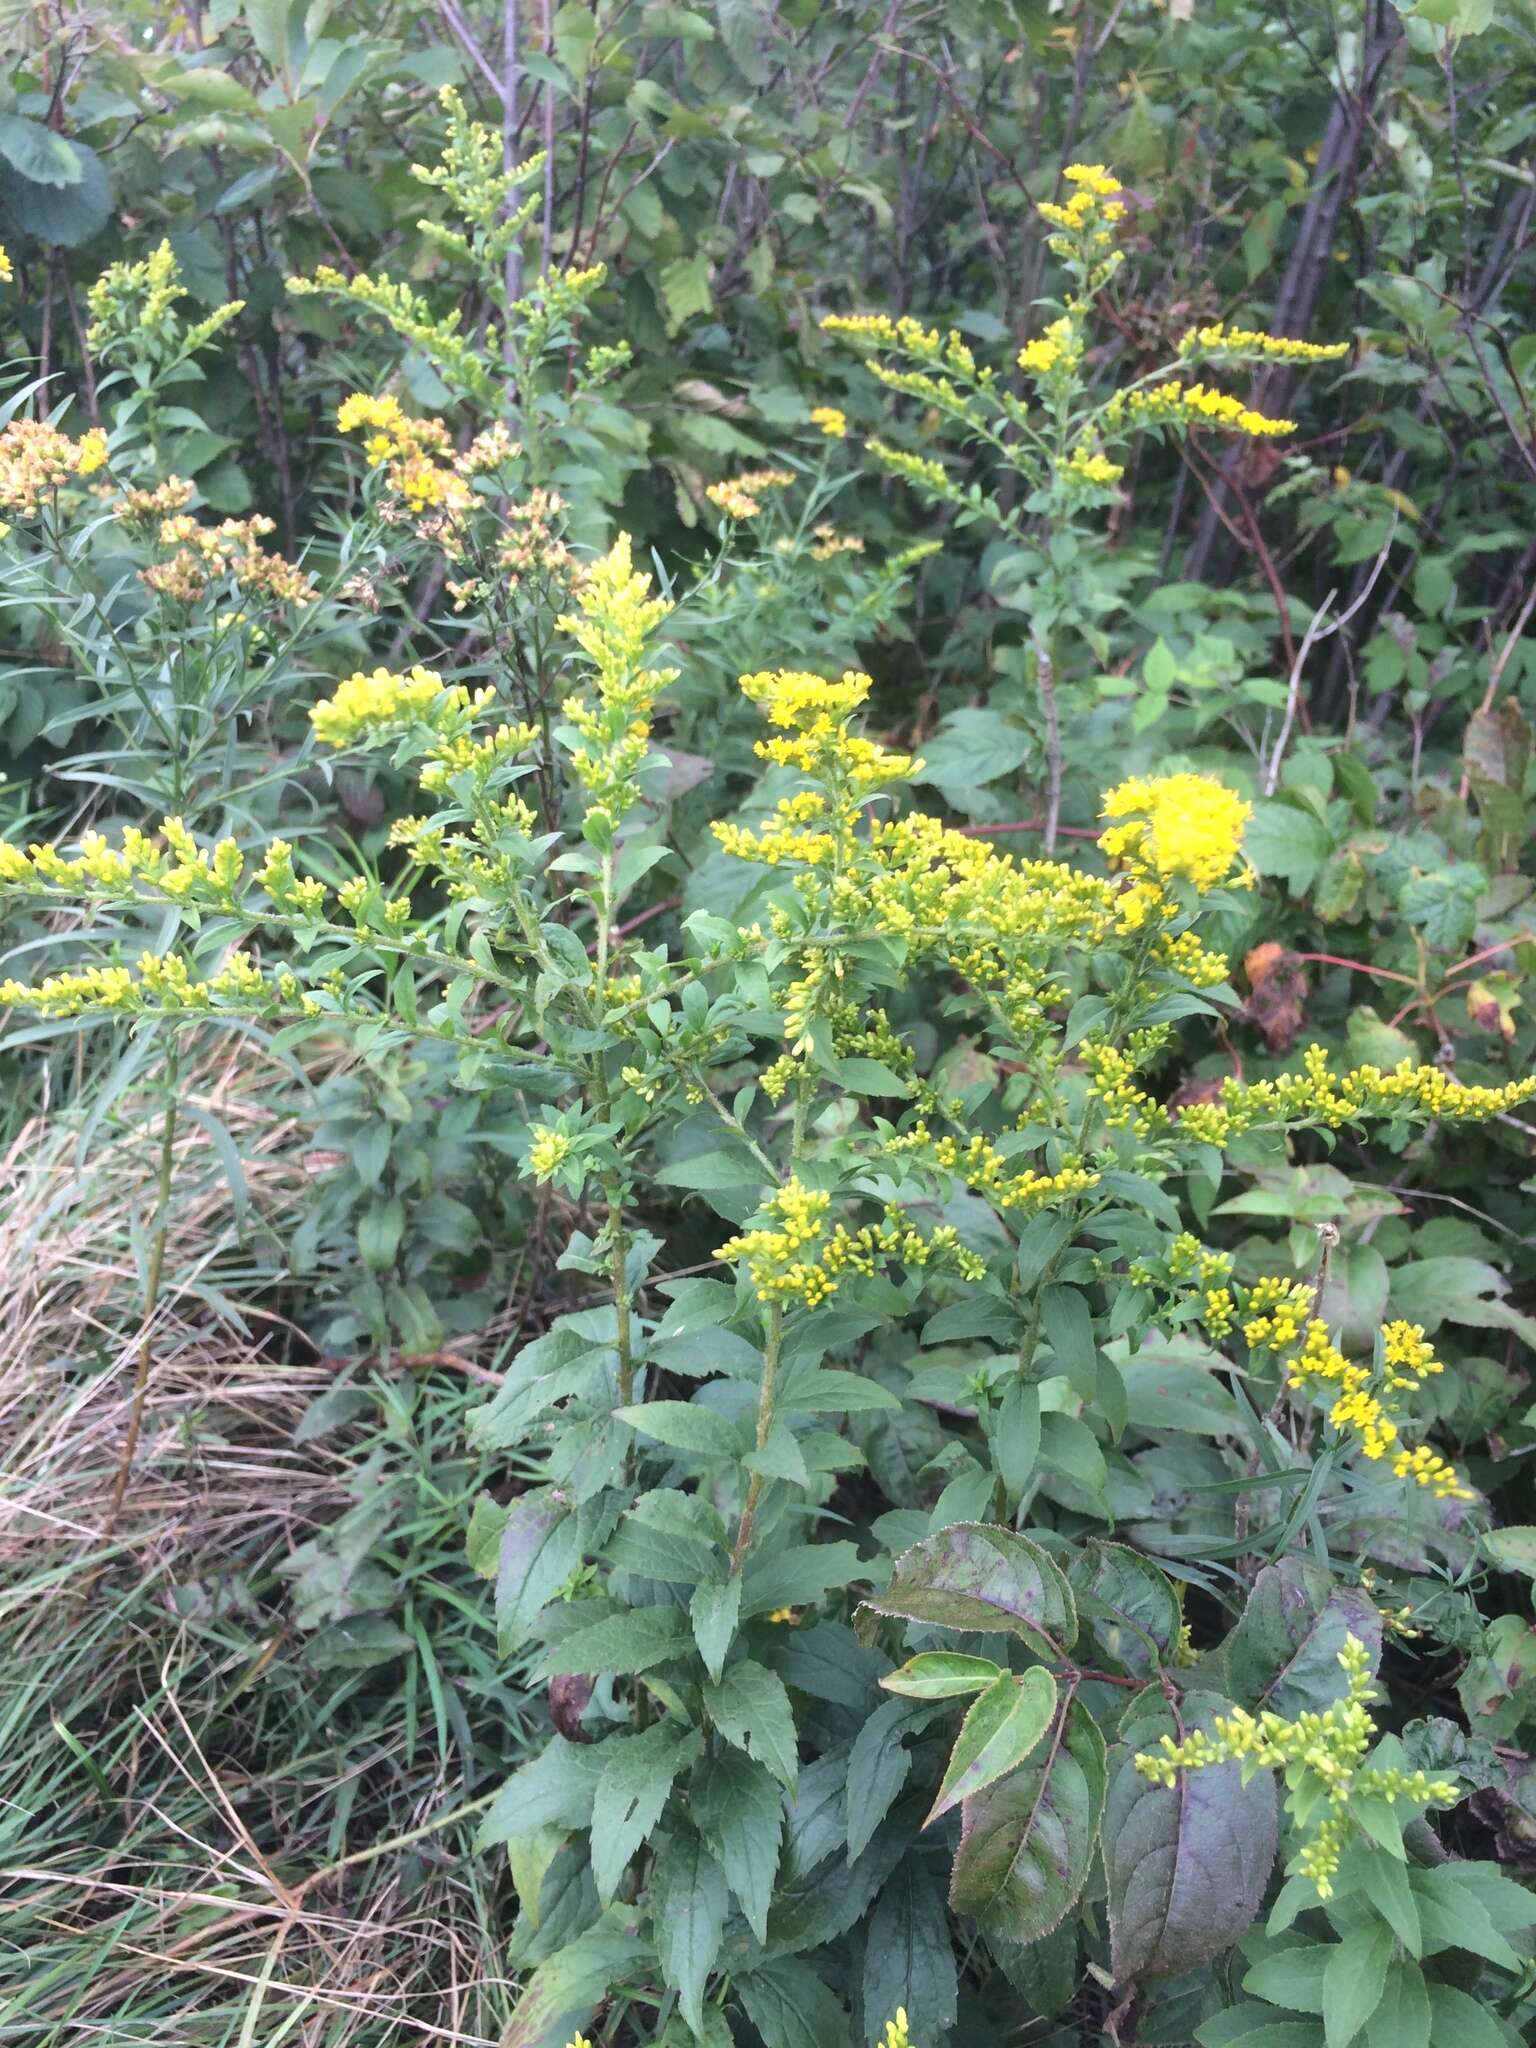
[(1026, 1842), (540, 1547), (1186, 1864), (689, 1900), (975, 1577), (942, 1675), (1002, 1728)]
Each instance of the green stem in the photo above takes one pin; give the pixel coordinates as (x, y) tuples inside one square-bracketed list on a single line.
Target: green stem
[(772, 1342)]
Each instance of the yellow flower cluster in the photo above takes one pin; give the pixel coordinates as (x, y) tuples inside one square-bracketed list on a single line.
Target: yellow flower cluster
[(1363, 1402), (1086, 465), (615, 614), (896, 2035), (1188, 405), (921, 470), (1318, 1097), (148, 507), (797, 1257), (37, 460), (1323, 1758), (409, 314), (367, 708), (831, 420), (133, 311), (1176, 828), (1060, 347), (985, 1170), (548, 1152), (7, 274), (1219, 339), (742, 497), (416, 455)]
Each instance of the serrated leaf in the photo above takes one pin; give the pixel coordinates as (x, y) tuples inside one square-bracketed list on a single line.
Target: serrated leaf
[(1353, 1980), (1027, 1842), (909, 1959), (636, 1779), (739, 1813), (713, 1611), (1286, 842), (878, 1765), (975, 1577), (686, 1426), (540, 1547), (791, 2008), (556, 1788), (1186, 1865), (1128, 1606), (688, 1900), (1002, 1728), (622, 1643), (751, 1709)]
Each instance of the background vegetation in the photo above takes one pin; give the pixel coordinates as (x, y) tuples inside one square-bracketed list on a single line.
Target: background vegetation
[(258, 1696)]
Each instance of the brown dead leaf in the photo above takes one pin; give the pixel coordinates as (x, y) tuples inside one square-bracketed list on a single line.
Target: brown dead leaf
[(1277, 983)]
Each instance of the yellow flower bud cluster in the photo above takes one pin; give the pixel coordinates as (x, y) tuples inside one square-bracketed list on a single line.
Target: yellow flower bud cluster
[(921, 470), (896, 2035), (7, 274), (1317, 1096), (830, 420), (37, 460), (164, 983), (799, 1257), (981, 1167), (1087, 465), (1323, 1757), (1219, 339), (1188, 405), (614, 615), (1176, 828), (409, 314)]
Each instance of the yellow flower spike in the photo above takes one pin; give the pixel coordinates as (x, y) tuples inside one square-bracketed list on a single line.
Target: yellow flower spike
[(615, 614), (831, 420), (7, 274)]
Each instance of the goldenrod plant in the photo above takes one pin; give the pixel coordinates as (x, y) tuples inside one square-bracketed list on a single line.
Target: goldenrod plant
[(952, 1433)]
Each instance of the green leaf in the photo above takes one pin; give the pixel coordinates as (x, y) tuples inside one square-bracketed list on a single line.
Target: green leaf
[(1016, 1438), (686, 1426), (877, 1769), (1384, 1880), (684, 285), (64, 215), (1186, 1865), (1464, 2021), (636, 1779), (1286, 842), (555, 1788), (1284, 1652), (791, 2008), (1027, 1842), (540, 1547), (39, 154), (739, 1813), (713, 1611), (1353, 1982), (909, 1959), (1129, 1606), (942, 1675), (622, 1644), (206, 86), (1451, 1915), (1401, 2019), (688, 1901), (1068, 1327), (751, 1708), (972, 1576), (1000, 1730), (1292, 1977), (1513, 1549)]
